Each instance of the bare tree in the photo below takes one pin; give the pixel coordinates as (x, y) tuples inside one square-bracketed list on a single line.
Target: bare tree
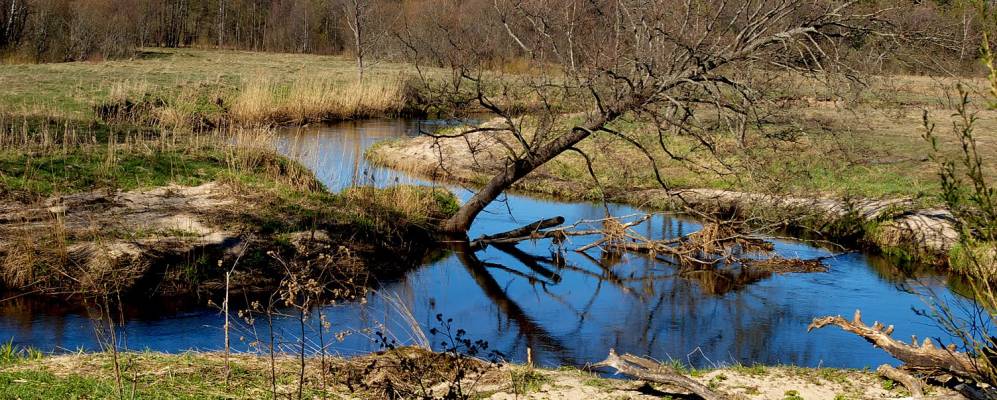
[(358, 15), (221, 22), (684, 68), (13, 15)]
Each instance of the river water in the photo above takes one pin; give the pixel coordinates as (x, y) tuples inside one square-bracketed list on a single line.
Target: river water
[(568, 307)]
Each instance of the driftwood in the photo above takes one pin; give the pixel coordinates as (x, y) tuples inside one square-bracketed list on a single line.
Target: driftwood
[(648, 370), (924, 356), (914, 385)]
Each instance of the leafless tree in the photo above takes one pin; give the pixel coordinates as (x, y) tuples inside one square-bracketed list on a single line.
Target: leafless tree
[(13, 15), (684, 68), (221, 23), (358, 15)]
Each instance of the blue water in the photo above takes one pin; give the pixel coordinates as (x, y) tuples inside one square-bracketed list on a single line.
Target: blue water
[(568, 307)]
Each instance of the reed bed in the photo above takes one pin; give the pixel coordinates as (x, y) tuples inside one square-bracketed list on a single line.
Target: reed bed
[(265, 100)]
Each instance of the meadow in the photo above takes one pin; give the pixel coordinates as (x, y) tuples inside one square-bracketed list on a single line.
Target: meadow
[(187, 88)]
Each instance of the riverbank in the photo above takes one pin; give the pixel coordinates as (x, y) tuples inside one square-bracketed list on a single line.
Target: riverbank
[(206, 375), (909, 226), (169, 215)]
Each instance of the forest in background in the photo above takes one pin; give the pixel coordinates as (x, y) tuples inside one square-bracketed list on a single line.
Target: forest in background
[(79, 30)]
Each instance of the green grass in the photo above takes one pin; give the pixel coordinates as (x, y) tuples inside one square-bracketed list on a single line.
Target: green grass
[(870, 147), (151, 376), (84, 169), (528, 380)]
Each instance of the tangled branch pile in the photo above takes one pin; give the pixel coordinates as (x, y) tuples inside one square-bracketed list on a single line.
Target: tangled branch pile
[(717, 243)]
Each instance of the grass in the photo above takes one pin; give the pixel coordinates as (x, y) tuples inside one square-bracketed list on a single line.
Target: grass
[(11, 354), (863, 152), (151, 375), (816, 143), (528, 380), (72, 90), (203, 375), (185, 90), (271, 195), (305, 99)]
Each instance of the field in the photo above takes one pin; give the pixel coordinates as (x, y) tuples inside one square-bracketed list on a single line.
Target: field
[(203, 84), (856, 140)]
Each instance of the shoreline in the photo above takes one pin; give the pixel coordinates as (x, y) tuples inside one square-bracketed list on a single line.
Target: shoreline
[(203, 374), (894, 227), (181, 241)]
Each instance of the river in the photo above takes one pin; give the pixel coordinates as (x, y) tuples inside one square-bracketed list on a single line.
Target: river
[(568, 307)]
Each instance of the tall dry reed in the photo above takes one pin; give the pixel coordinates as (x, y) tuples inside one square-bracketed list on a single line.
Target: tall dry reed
[(305, 99)]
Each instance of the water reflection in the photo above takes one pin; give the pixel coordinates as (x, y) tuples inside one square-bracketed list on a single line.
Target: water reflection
[(569, 307)]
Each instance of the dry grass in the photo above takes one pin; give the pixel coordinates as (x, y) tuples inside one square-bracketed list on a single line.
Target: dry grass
[(202, 375), (71, 90), (407, 204), (267, 100), (865, 143)]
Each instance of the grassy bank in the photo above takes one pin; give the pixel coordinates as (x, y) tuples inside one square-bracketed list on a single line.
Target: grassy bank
[(208, 375), (816, 143), (144, 210), (162, 167), (850, 168)]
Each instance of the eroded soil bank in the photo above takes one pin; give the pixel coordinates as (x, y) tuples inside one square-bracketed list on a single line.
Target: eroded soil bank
[(180, 240), (402, 372)]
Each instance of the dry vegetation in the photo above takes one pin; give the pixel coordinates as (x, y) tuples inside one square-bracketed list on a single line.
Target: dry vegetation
[(198, 375), (81, 209), (868, 144), (187, 89)]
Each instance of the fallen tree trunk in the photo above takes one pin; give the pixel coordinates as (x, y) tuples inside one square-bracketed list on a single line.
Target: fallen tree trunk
[(518, 234), (644, 369), (924, 356)]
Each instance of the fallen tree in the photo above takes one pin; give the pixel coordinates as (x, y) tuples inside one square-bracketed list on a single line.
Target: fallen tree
[(717, 243), (943, 365), (660, 63)]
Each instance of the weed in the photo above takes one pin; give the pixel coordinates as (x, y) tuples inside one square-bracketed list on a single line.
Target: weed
[(11, 354), (716, 380), (528, 380), (597, 383), (753, 370)]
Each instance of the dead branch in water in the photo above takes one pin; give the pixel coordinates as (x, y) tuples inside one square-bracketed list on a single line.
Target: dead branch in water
[(780, 265), (718, 242), (521, 233), (648, 370)]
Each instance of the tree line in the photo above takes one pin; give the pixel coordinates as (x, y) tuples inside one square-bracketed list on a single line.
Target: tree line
[(74, 30)]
